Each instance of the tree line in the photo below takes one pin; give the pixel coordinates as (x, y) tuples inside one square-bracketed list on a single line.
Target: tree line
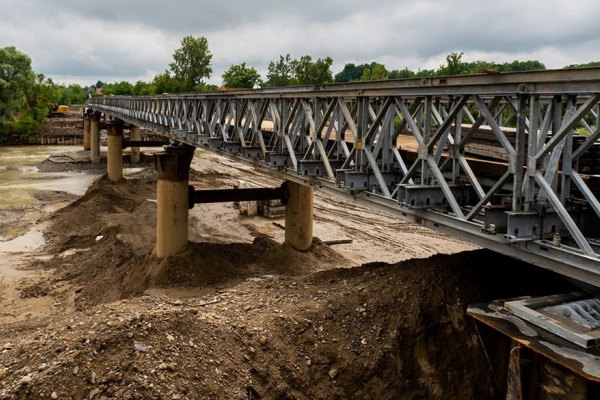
[(26, 95)]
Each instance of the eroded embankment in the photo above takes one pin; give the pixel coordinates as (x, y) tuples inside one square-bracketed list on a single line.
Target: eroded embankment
[(278, 323)]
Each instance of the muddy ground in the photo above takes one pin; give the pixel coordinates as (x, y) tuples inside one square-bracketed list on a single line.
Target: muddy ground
[(238, 314)]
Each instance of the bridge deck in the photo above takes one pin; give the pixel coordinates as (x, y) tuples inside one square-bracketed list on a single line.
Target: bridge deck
[(537, 205)]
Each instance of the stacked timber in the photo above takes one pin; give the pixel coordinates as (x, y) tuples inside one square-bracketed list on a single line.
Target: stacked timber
[(271, 208), (483, 142)]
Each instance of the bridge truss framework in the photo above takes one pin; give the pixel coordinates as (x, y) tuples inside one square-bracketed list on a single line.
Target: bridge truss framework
[(343, 139)]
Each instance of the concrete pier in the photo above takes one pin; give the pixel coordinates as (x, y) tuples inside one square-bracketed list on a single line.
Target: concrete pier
[(173, 168), (87, 132), (135, 151), (95, 137), (299, 216), (114, 166)]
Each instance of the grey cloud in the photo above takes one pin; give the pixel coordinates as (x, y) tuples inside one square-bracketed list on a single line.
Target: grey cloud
[(132, 39)]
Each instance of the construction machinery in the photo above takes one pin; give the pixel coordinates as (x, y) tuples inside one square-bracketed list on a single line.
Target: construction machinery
[(57, 111)]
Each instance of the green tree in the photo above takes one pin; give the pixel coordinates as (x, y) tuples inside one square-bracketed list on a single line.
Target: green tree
[(376, 72), (38, 95), (350, 73), (191, 64), (308, 72), (72, 94), (122, 88), (165, 83), (517, 66), (143, 89), (280, 73), (454, 65), (590, 64), (401, 74), (15, 75), (240, 76)]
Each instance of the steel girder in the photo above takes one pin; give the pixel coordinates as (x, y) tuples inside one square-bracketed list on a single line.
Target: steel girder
[(537, 205)]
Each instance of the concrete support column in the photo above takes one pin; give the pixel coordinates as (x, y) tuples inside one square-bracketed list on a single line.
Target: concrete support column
[(95, 137), (86, 132), (299, 216), (114, 166), (135, 151), (173, 168)]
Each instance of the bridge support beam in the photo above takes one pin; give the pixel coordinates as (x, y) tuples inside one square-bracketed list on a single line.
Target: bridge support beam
[(173, 168), (87, 132), (95, 137), (114, 166), (299, 216), (135, 151)]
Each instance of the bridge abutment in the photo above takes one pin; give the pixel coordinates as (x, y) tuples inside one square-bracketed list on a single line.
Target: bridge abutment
[(114, 164), (172, 196), (299, 216), (135, 151), (95, 137), (87, 132)]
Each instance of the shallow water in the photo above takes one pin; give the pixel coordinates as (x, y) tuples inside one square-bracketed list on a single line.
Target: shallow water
[(20, 179)]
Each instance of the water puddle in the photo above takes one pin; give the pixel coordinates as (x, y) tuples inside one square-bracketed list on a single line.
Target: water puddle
[(20, 179)]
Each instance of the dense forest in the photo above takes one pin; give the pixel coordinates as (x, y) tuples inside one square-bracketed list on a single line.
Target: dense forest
[(25, 95)]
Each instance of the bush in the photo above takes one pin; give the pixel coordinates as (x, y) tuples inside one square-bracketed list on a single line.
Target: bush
[(19, 131)]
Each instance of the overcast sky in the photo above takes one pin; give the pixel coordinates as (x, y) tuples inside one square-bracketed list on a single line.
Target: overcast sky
[(79, 41)]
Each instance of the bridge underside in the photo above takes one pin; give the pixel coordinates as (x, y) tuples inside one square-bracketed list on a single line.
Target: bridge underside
[(406, 148)]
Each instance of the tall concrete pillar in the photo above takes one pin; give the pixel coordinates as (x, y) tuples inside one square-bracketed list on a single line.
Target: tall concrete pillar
[(86, 132), (95, 138), (135, 151), (299, 216), (173, 168), (114, 166)]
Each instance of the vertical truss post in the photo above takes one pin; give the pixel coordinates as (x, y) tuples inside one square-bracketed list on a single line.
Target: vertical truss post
[(519, 156), (532, 165), (361, 131), (424, 150)]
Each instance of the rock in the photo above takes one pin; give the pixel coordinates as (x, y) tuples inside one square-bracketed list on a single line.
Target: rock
[(7, 346), (162, 366), (170, 338), (308, 362), (94, 392), (262, 340), (54, 396), (130, 335), (333, 373), (76, 370), (42, 366), (140, 348), (93, 380), (26, 379)]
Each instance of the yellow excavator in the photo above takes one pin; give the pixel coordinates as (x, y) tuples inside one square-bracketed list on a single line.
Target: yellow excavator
[(56, 111)]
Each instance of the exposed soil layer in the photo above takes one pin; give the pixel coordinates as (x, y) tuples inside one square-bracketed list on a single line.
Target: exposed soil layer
[(377, 331), (259, 320)]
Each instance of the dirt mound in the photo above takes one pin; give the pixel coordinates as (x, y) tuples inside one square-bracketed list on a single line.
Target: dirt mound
[(285, 260), (104, 245), (376, 331)]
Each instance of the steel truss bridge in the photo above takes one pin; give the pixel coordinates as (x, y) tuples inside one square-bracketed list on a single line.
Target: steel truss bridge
[(539, 205)]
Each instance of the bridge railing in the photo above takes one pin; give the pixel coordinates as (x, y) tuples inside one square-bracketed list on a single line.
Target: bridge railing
[(507, 161)]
